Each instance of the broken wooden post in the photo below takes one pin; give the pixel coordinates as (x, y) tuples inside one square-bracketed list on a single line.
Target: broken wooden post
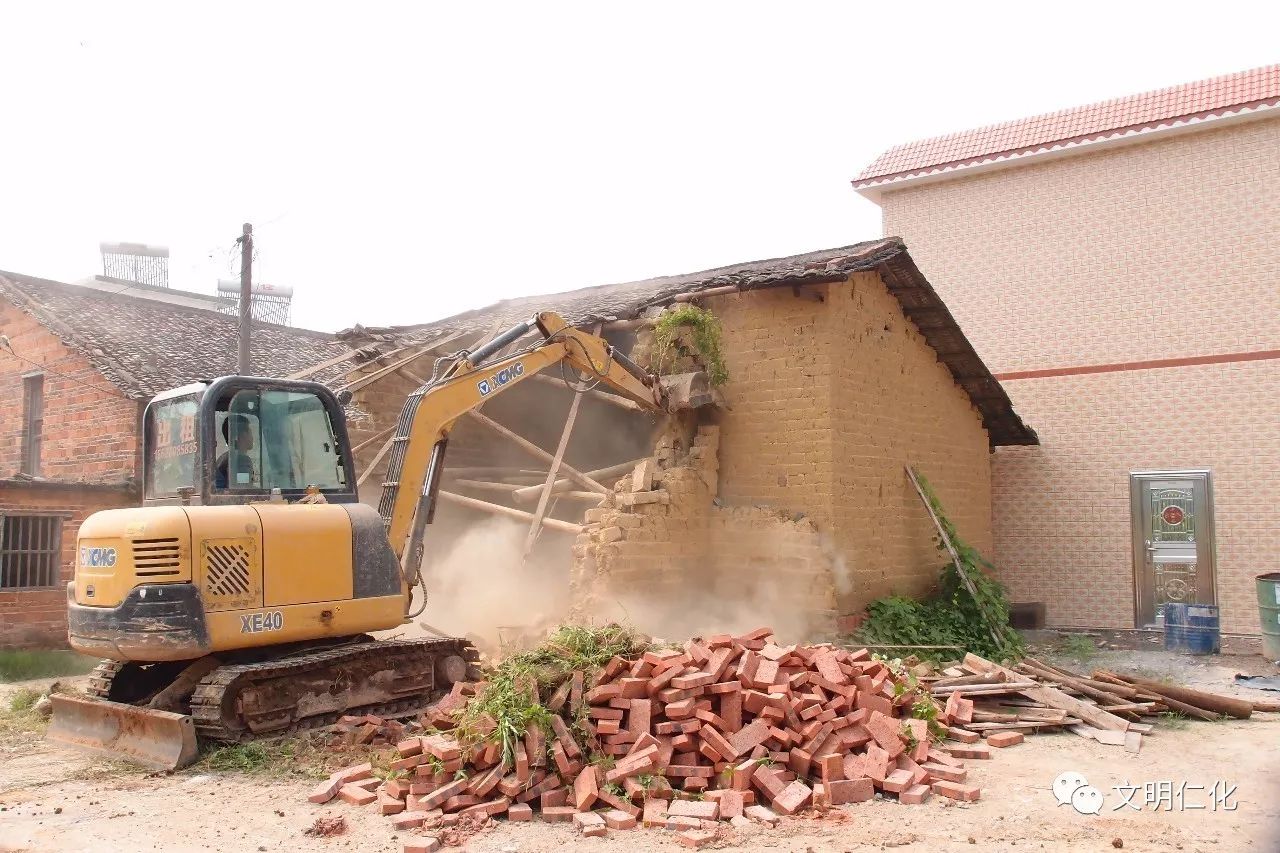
[(536, 525), (563, 485)]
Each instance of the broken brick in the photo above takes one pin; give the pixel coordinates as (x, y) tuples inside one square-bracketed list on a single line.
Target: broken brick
[(957, 791), (519, 812), (793, 798), (915, 795), (696, 837), (326, 790)]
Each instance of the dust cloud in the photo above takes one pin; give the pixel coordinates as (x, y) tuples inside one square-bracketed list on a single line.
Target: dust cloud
[(477, 586)]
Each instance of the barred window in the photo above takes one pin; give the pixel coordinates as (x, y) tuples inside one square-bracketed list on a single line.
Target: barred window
[(30, 551)]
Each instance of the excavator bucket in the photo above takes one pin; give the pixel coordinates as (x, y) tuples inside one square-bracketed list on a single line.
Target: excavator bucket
[(159, 740), (688, 391)]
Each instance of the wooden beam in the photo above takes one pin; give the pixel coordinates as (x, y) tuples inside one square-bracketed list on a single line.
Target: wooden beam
[(614, 399), (487, 486), (371, 439), (316, 368), (539, 514), (531, 492), (369, 378), (374, 464), (499, 509), (535, 450)]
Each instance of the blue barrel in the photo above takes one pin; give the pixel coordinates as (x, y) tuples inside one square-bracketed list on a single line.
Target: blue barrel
[(1192, 629)]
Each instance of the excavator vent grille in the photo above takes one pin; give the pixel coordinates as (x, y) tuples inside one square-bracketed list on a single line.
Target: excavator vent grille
[(226, 569), (155, 557)]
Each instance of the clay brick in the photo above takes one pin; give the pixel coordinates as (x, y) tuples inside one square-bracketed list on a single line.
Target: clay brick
[(460, 802), (444, 793), (719, 743), (957, 791), (555, 797), (559, 814), (422, 845), (887, 733), (356, 795), (354, 773), (842, 791), (749, 737), (615, 819), (585, 789), (942, 771), (1003, 739), (655, 813), (700, 809), (326, 790), (963, 735), (731, 802), (915, 795), (638, 718), (898, 781), (830, 767), (584, 820), (493, 808), (410, 819), (519, 812), (762, 814), (696, 837), (962, 750), (793, 798)]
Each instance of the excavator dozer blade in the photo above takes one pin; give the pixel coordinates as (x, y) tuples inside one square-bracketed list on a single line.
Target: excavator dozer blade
[(159, 740), (688, 391)]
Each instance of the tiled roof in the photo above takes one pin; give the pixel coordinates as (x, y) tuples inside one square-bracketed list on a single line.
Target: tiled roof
[(143, 346), (1259, 87), (609, 302)]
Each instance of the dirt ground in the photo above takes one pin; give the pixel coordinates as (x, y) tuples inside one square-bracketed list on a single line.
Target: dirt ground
[(52, 800)]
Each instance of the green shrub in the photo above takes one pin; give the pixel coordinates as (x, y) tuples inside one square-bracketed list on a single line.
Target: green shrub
[(706, 337)]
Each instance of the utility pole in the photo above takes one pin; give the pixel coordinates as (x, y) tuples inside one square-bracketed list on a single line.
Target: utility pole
[(243, 366)]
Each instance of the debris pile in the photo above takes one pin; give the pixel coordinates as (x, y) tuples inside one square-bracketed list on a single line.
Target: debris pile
[(721, 729), (608, 732)]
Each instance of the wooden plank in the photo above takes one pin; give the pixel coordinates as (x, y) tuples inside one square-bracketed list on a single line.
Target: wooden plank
[(535, 450), (535, 526), (1228, 705), (499, 509), (1091, 714)]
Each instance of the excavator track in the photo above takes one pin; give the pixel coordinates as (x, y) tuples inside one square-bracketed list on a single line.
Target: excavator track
[(280, 697)]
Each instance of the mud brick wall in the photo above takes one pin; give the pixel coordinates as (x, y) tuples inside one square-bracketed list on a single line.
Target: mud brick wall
[(798, 501), (1117, 258)]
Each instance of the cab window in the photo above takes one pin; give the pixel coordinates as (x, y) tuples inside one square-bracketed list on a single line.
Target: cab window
[(171, 446), (274, 439)]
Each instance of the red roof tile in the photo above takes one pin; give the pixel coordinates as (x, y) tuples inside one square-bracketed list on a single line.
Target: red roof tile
[(1259, 86)]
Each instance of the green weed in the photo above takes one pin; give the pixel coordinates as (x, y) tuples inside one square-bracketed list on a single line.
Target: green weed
[(953, 617), (1078, 646), (24, 664), (706, 338)]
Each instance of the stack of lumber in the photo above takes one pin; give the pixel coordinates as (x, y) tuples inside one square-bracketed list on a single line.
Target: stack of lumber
[(1112, 708), (724, 728)]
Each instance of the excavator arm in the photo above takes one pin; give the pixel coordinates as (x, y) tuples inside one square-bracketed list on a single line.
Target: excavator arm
[(418, 447)]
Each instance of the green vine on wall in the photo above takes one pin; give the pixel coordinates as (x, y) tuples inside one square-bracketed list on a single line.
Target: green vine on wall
[(954, 616), (706, 337)]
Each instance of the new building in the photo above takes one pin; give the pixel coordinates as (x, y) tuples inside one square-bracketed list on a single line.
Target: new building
[(1117, 267)]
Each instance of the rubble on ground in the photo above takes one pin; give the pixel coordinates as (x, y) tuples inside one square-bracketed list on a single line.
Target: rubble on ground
[(718, 733)]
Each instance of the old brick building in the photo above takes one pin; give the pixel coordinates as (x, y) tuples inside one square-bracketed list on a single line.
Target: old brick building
[(77, 365), (843, 367), (1117, 267)]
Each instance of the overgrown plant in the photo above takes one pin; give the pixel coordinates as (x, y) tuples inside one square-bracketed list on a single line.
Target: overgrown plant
[(706, 337), (954, 617), (513, 695)]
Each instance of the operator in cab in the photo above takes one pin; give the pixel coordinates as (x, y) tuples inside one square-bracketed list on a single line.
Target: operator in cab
[(235, 465)]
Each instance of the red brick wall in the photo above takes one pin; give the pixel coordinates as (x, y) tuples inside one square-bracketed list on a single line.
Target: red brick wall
[(90, 433), (90, 427), (38, 617)]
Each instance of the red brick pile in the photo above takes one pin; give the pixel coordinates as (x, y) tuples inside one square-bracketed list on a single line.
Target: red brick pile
[(722, 729)]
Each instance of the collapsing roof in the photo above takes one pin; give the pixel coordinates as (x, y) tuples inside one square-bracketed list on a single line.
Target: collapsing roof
[(612, 302), (144, 346)]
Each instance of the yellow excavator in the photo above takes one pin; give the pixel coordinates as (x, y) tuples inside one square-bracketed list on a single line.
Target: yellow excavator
[(237, 602)]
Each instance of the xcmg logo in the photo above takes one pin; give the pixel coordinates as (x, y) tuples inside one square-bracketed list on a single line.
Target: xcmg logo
[(502, 377), (98, 557)]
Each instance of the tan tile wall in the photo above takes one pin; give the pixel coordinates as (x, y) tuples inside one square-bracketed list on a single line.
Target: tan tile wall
[(1157, 250)]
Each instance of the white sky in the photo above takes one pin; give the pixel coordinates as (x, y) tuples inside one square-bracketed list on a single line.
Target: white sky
[(402, 162)]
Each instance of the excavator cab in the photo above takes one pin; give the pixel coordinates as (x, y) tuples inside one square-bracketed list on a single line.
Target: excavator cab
[(244, 439)]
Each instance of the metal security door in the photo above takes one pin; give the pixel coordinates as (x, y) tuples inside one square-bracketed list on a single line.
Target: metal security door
[(1172, 542)]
